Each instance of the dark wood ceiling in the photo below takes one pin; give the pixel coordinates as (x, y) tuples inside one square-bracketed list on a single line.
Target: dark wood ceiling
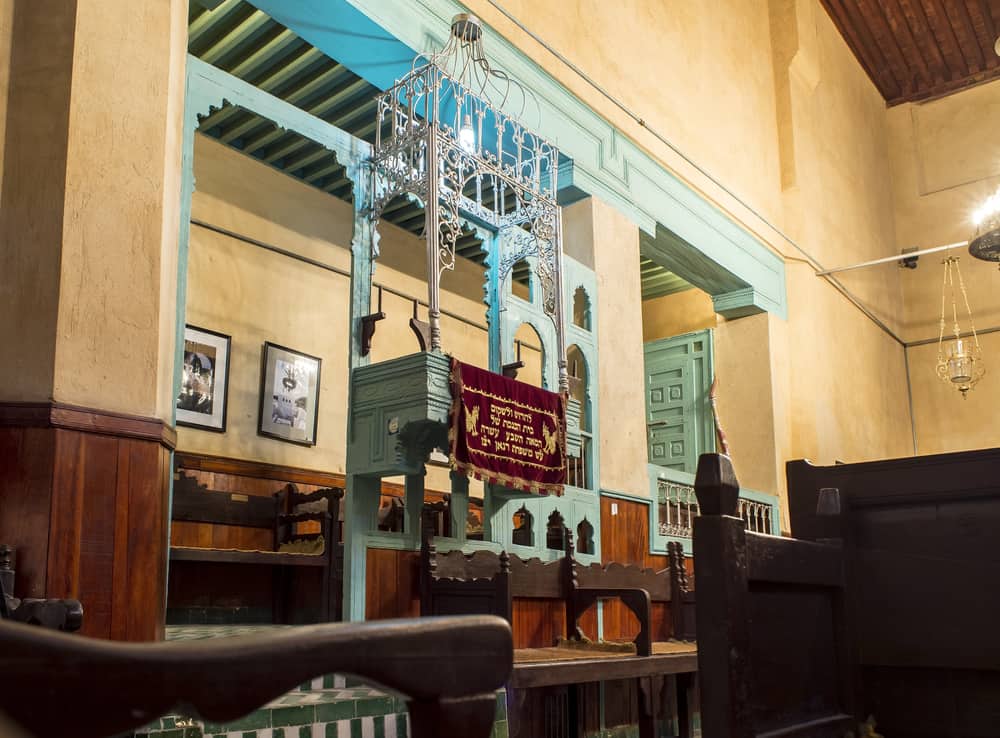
[(916, 49)]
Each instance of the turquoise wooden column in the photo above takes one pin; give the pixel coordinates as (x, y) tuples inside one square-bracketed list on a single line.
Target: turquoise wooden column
[(362, 494)]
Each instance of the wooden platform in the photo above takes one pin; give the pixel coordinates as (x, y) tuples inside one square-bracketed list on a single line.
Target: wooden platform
[(544, 667)]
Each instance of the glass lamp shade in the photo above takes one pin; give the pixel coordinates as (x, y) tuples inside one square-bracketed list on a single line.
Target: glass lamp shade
[(959, 363)]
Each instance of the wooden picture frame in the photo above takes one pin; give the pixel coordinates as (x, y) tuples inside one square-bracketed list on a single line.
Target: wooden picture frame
[(199, 402), (289, 395)]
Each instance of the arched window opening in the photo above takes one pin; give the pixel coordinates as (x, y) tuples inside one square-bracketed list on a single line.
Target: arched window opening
[(581, 309), (585, 537), (520, 280), (529, 350), (523, 523), (555, 532), (579, 469)]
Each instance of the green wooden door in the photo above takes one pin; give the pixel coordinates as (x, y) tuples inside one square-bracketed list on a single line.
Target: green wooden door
[(678, 417)]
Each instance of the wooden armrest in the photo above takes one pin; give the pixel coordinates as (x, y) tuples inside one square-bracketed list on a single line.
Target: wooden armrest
[(637, 600), (57, 684)]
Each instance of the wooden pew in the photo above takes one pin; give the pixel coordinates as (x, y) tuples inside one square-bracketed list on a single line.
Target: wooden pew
[(919, 535), (486, 582), (282, 514), (774, 648), (54, 684)]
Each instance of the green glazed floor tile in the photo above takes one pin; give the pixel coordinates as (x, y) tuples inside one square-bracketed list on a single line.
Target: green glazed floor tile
[(293, 716)]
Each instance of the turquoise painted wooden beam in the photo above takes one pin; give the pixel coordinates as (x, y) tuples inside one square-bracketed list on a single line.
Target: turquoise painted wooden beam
[(209, 88)]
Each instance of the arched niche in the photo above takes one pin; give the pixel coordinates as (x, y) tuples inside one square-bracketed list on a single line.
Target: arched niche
[(528, 347), (523, 534), (585, 537), (555, 532), (581, 309), (521, 279)]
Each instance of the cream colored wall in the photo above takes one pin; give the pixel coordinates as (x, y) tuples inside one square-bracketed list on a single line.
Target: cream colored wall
[(839, 389), (698, 73), (681, 312), (593, 226), (255, 295), (88, 220), (945, 162), (6, 37)]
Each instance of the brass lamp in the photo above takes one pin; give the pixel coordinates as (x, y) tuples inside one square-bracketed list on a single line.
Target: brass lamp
[(960, 361)]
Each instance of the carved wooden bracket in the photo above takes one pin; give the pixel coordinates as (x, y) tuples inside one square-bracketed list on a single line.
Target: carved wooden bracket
[(368, 323)]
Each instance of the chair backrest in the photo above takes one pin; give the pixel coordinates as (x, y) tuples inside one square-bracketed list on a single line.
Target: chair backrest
[(774, 657), (919, 538), (72, 685), (195, 502), (455, 583)]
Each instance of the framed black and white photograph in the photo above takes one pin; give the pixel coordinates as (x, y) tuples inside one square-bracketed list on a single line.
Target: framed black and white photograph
[(201, 402), (289, 395)]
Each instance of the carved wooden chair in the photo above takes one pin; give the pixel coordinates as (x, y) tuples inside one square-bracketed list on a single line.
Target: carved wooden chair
[(54, 684)]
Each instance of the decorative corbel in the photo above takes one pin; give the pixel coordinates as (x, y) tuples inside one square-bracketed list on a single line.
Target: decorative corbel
[(368, 323), (421, 329)]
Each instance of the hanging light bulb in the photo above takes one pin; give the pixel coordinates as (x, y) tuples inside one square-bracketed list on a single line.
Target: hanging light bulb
[(985, 244), (960, 361), (467, 136)]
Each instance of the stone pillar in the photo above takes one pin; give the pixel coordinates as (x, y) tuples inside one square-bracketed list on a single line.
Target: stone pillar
[(88, 253)]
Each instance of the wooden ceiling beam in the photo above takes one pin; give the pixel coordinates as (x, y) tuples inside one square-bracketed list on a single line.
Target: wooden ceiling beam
[(988, 33), (887, 42), (963, 29), (853, 28), (917, 20), (899, 22), (947, 40)]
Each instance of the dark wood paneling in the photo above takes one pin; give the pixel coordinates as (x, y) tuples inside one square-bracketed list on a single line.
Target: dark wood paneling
[(391, 586), (917, 49), (26, 466), (89, 420), (537, 623), (625, 539), (86, 512)]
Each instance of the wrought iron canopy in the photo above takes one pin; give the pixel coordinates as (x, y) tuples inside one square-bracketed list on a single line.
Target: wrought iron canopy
[(444, 136)]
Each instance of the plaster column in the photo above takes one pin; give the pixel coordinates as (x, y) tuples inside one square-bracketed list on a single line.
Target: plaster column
[(746, 362), (593, 227), (88, 253)]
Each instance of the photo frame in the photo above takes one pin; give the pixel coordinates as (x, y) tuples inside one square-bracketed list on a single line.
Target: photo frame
[(289, 395), (203, 398)]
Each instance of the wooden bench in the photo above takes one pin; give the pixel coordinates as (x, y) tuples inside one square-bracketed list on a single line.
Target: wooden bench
[(486, 582), (282, 513), (54, 684)]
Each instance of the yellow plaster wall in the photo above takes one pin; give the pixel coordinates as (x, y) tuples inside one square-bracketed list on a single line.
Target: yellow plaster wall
[(699, 74), (945, 161), (121, 228), (255, 296), (6, 37), (622, 415), (31, 208), (681, 312), (838, 380)]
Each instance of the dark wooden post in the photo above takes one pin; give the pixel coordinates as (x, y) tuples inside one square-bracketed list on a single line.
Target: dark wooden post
[(720, 553)]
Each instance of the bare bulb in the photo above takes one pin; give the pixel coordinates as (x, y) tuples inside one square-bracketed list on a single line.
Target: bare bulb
[(467, 136)]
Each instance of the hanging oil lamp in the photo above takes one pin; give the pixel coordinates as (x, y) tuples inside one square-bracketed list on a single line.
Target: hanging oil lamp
[(960, 361)]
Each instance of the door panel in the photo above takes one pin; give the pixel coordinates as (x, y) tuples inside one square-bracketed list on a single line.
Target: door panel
[(678, 421)]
